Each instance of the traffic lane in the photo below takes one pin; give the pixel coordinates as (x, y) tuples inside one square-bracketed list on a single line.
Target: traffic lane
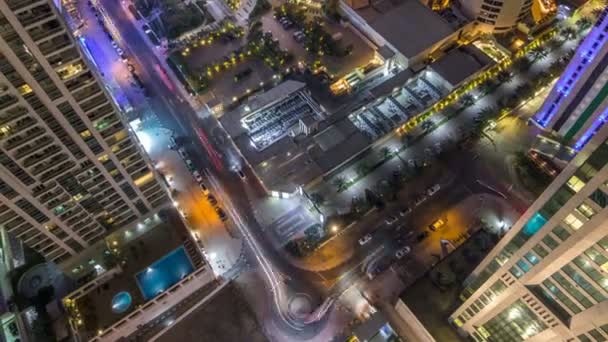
[(388, 235)]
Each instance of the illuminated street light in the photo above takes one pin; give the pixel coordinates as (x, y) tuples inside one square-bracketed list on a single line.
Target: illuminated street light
[(175, 204), (334, 228)]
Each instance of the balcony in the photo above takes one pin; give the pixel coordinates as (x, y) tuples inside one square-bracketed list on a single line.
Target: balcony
[(22, 152), (23, 138), (57, 171), (11, 114), (41, 156)]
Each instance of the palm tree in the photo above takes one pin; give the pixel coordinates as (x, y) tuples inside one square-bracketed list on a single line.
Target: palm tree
[(486, 112), (597, 11), (340, 183), (385, 152), (317, 199), (522, 64), (524, 91), (583, 24), (540, 53), (427, 125), (556, 68), (467, 100), (361, 169), (569, 33), (505, 76)]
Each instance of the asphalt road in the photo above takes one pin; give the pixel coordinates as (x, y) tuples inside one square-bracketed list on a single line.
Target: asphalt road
[(208, 148)]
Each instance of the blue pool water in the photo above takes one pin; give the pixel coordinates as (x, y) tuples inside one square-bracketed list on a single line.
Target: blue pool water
[(164, 273), (535, 224), (121, 302)]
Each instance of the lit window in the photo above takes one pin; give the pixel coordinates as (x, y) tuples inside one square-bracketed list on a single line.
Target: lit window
[(85, 134), (103, 158), (575, 183), (573, 222), (25, 89), (585, 210)]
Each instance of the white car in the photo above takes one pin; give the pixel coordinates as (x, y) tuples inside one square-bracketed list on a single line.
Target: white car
[(390, 220), (189, 164), (182, 152), (419, 200), (403, 252), (433, 189), (367, 238), (197, 176)]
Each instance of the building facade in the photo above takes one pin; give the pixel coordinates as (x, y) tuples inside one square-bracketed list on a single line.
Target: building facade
[(497, 15), (547, 279), (577, 106), (69, 169)]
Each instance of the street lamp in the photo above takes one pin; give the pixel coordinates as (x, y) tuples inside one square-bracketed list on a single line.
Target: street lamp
[(334, 228)]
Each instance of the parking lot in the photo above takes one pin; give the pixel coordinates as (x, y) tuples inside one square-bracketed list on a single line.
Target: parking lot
[(361, 54)]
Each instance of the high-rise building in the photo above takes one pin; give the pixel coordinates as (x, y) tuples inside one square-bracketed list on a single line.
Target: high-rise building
[(547, 278), (577, 106), (497, 15), (69, 170)]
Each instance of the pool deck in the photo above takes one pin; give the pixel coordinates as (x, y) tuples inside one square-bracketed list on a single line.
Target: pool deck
[(96, 306)]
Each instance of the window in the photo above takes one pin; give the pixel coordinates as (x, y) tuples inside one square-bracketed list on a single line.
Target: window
[(550, 242), (572, 290), (600, 198), (540, 251), (573, 222), (565, 300), (523, 265), (561, 233), (532, 258), (575, 183), (516, 272), (585, 210), (582, 282), (597, 257), (516, 323)]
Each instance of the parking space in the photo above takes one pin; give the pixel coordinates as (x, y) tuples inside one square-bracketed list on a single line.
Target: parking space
[(292, 223), (361, 53)]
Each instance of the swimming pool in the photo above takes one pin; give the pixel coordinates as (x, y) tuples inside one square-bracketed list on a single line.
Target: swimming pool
[(164, 273), (121, 302)]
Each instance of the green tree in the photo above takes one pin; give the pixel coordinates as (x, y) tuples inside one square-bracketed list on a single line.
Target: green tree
[(385, 152), (317, 199), (583, 24), (467, 100), (569, 33), (522, 64), (340, 183), (505, 76), (330, 8)]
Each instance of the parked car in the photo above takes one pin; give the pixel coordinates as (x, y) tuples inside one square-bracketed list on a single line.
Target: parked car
[(203, 188), (403, 212), (437, 225), (421, 236), (182, 152), (433, 190), (367, 238), (212, 199), (403, 252), (390, 220), (419, 199), (241, 174), (189, 164), (197, 176), (220, 212)]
